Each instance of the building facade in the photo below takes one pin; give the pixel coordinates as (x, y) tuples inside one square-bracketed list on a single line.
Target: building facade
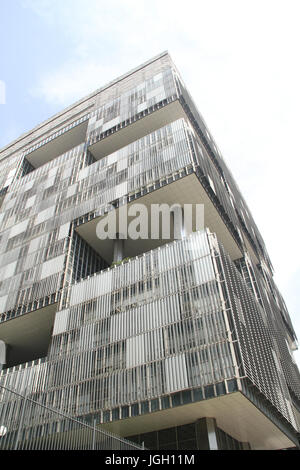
[(184, 343)]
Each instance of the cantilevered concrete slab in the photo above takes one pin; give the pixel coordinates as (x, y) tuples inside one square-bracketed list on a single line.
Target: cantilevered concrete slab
[(28, 336), (187, 190), (137, 129), (58, 146), (246, 423)]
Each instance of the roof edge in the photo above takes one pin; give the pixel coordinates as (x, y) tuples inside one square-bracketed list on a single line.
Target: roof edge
[(82, 100)]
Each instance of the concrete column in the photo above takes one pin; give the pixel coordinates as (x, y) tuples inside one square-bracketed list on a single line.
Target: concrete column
[(206, 434), (178, 223), (118, 249), (2, 354)]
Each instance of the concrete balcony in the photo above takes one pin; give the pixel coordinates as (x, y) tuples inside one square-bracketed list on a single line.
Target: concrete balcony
[(233, 412), (186, 190), (58, 143), (136, 127), (28, 336)]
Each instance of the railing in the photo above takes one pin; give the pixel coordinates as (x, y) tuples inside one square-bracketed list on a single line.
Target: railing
[(26, 424)]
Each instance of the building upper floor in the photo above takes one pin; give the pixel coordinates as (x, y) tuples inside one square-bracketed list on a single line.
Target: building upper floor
[(124, 111)]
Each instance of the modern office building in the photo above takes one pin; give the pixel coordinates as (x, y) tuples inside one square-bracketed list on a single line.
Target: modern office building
[(178, 342)]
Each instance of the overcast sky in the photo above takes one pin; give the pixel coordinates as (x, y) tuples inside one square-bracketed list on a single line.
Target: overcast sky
[(238, 58)]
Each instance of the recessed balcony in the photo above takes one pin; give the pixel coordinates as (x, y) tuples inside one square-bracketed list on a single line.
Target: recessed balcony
[(28, 337), (136, 127), (246, 424), (57, 144), (187, 190)]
